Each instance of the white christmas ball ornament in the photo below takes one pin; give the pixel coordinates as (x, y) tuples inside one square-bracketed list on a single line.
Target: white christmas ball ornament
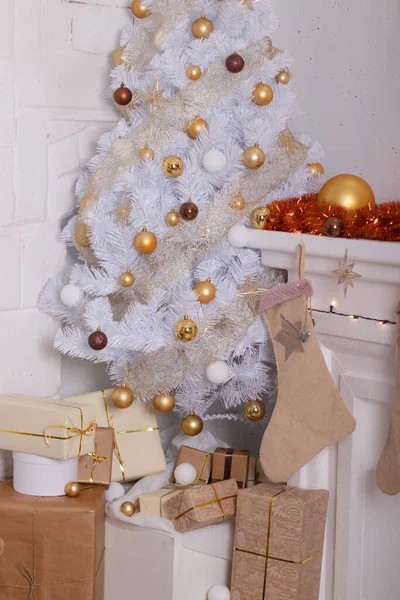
[(218, 592), (71, 295), (185, 474), (238, 236), (214, 161), (114, 492), (218, 372)]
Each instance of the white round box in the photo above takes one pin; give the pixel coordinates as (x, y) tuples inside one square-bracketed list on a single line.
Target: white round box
[(39, 476)]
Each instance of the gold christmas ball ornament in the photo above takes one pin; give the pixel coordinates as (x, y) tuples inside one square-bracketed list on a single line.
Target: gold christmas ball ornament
[(238, 203), (262, 94), (186, 329), (195, 127), (82, 237), (118, 56), (164, 403), (316, 169), (145, 242), (193, 72), (259, 217), (283, 77), (173, 166), (146, 153), (202, 27), (254, 410), (127, 279), (122, 397), (72, 489), (192, 425), (128, 509), (254, 157), (172, 218), (140, 10), (349, 191), (206, 291)]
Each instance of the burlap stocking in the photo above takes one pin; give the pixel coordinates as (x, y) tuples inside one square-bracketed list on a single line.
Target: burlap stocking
[(309, 413), (388, 470)]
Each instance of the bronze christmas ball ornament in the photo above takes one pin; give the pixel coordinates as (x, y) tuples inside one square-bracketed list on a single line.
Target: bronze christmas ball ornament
[(254, 157), (202, 28), (316, 169), (145, 242), (81, 236), (259, 217), (193, 72), (164, 403), (127, 279), (140, 10), (172, 218), (192, 425), (206, 291), (234, 63), (146, 153), (262, 94), (118, 56), (97, 340), (349, 191), (238, 203), (186, 329), (72, 489), (123, 95), (333, 227), (122, 397), (173, 166), (283, 77), (128, 509), (189, 210), (254, 410), (195, 127)]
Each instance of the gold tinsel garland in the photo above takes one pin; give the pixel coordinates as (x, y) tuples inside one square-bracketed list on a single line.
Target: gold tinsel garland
[(305, 215)]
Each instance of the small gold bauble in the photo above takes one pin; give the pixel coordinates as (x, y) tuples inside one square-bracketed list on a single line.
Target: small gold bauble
[(202, 27), (206, 291), (283, 77), (122, 397), (254, 410), (172, 218), (173, 166), (145, 242), (349, 191), (118, 56), (128, 509), (316, 169), (193, 72), (127, 279), (192, 425), (146, 153), (195, 127), (72, 489), (254, 157), (140, 11), (186, 330), (82, 237), (262, 94), (238, 203), (259, 217), (164, 403)]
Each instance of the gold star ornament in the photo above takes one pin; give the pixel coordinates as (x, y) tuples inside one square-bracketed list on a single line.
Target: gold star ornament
[(251, 291), (153, 96), (121, 211), (345, 273), (248, 3)]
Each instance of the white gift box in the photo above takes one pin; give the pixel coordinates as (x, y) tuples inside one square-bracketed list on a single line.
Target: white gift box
[(39, 476)]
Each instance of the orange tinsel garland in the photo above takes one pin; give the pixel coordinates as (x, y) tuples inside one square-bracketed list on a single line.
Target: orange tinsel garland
[(305, 215)]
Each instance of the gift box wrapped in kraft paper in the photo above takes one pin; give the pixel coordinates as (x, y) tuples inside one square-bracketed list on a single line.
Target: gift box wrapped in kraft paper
[(230, 464), (256, 474), (278, 543), (96, 466), (48, 428), (202, 505), (137, 445), (201, 461), (51, 548), (156, 503)]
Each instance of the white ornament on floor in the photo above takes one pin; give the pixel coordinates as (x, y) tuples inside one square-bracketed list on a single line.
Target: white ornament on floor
[(114, 492), (218, 372), (219, 592), (238, 236), (71, 295), (185, 474), (214, 161)]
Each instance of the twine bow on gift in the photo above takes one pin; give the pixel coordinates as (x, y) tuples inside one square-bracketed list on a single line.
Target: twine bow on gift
[(31, 580)]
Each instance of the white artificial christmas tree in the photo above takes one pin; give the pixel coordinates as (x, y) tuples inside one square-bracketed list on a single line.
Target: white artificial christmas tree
[(203, 140)]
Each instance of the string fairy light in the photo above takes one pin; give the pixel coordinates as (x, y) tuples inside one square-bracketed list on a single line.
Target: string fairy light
[(332, 311)]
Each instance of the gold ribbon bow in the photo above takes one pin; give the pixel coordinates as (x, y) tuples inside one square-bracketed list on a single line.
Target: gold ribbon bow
[(97, 460), (72, 432)]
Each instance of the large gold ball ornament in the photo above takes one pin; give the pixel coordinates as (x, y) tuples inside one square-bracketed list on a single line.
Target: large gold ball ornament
[(316, 169), (118, 56), (195, 127), (193, 72), (206, 291), (127, 279), (186, 330), (145, 242), (254, 157), (172, 218), (164, 403), (349, 191), (128, 509), (238, 203), (254, 410), (202, 27), (259, 217), (262, 94), (173, 166), (192, 425), (140, 11), (72, 489), (82, 237), (122, 397), (146, 153), (283, 77)]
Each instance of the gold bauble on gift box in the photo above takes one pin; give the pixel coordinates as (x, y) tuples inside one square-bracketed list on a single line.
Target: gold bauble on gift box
[(164, 403), (186, 330), (262, 94), (145, 242), (259, 217), (172, 218), (139, 10), (283, 77), (173, 166), (254, 157), (128, 509), (82, 237), (192, 425), (316, 169), (146, 153), (195, 127), (118, 56), (349, 191), (122, 397), (206, 291), (202, 27), (72, 489), (127, 279), (193, 72), (254, 410)]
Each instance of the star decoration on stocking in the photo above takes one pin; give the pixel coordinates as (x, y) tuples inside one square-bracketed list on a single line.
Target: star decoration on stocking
[(153, 96), (121, 211), (345, 273), (288, 336), (251, 291)]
